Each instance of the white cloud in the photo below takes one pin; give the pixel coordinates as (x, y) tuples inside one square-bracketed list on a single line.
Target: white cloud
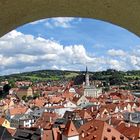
[(114, 52), (115, 64), (20, 52), (63, 22)]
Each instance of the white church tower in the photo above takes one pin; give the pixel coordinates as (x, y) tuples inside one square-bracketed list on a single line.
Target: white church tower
[(90, 90)]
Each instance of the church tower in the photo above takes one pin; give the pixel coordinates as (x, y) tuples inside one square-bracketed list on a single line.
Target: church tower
[(86, 77)]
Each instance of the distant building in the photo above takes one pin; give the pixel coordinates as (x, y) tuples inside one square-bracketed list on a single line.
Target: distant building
[(90, 90), (24, 92)]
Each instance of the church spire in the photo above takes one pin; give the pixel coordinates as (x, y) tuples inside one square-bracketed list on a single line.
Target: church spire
[(86, 77), (86, 69)]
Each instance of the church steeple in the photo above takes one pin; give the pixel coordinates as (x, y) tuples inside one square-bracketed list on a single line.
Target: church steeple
[(86, 69), (86, 77)]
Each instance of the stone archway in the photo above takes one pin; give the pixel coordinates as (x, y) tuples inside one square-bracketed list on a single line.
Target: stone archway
[(125, 13)]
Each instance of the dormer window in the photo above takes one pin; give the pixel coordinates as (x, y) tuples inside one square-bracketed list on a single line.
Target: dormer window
[(108, 130), (95, 128), (91, 126), (122, 137), (105, 138), (94, 137), (113, 138)]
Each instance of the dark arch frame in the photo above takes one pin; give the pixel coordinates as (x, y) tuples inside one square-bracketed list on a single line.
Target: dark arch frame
[(125, 13)]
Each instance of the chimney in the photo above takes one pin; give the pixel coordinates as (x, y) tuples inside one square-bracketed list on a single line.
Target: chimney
[(130, 117), (88, 133), (92, 109), (94, 137), (109, 120), (41, 133), (95, 128), (50, 119), (83, 134)]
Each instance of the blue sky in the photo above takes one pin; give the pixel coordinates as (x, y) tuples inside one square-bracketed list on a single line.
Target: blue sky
[(69, 43)]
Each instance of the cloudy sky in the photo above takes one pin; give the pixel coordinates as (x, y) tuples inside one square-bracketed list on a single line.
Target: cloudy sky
[(69, 44)]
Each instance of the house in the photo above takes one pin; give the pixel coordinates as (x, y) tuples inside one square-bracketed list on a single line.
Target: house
[(5, 134), (70, 132), (46, 120), (115, 121), (103, 114), (13, 91), (131, 132), (100, 130), (24, 91), (5, 123), (78, 115), (51, 134), (37, 112), (60, 110), (22, 120), (25, 134), (132, 118), (38, 102), (127, 106), (69, 104), (15, 110), (80, 101), (23, 83)]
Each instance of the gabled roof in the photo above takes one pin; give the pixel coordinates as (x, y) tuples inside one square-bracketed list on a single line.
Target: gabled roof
[(70, 129), (97, 129), (2, 120), (129, 131), (18, 110), (83, 114)]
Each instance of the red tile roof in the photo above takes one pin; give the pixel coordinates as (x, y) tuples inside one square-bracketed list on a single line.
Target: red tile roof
[(70, 129), (2, 120), (97, 129), (17, 110), (132, 132)]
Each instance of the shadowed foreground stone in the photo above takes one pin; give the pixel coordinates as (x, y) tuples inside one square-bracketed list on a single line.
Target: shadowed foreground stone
[(125, 13)]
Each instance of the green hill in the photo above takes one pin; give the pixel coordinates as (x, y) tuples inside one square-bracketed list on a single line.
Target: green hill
[(111, 76)]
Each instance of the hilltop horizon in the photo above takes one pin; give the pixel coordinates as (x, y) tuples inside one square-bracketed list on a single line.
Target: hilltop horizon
[(77, 71), (69, 44)]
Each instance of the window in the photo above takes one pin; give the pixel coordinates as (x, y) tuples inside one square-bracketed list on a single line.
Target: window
[(122, 137), (108, 130), (113, 138), (105, 138)]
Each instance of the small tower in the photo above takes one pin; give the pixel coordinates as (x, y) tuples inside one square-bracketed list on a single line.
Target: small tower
[(86, 78), (70, 132)]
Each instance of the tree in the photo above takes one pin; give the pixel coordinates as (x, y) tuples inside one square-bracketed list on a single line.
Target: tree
[(6, 88), (12, 83), (116, 79), (24, 97), (36, 95), (79, 79)]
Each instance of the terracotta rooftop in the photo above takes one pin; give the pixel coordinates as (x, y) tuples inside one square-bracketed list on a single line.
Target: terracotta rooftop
[(99, 130), (2, 120), (131, 132), (70, 129), (17, 110)]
